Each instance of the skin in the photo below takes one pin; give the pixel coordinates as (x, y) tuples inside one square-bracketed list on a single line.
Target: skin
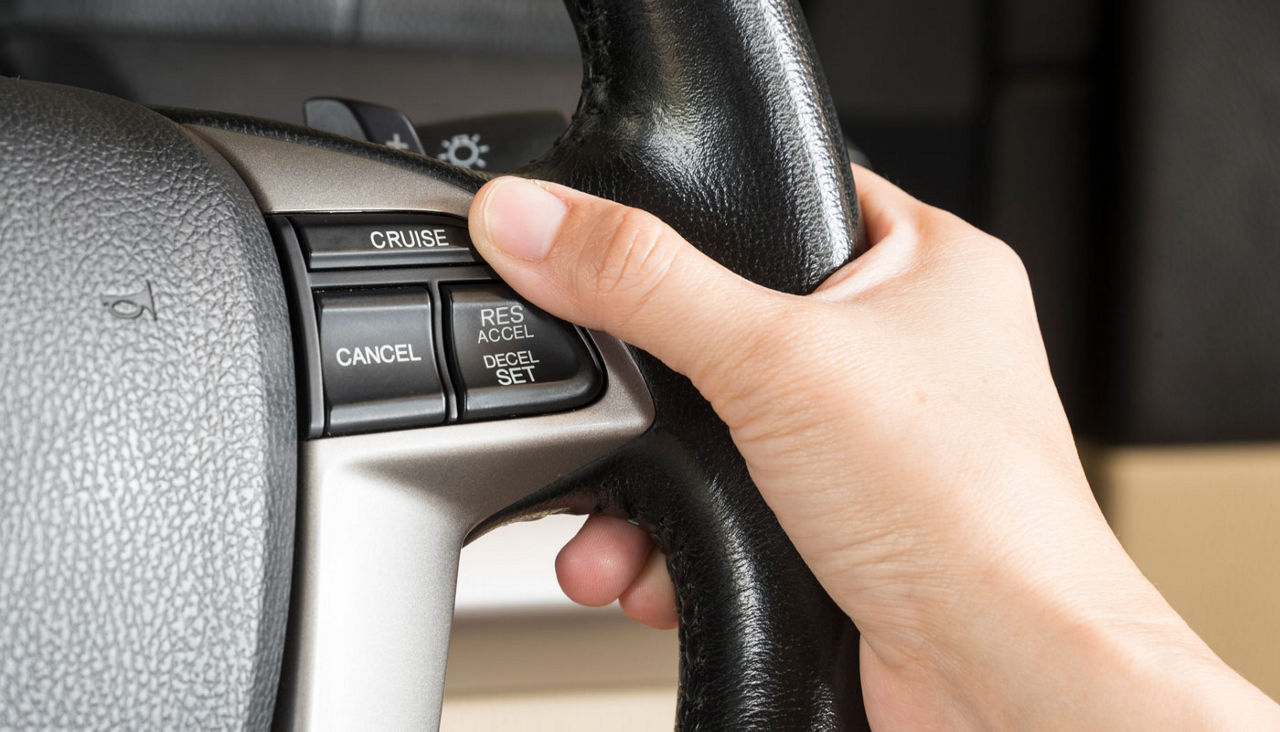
[(912, 444)]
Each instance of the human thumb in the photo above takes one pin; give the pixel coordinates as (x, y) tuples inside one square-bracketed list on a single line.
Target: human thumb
[(619, 269)]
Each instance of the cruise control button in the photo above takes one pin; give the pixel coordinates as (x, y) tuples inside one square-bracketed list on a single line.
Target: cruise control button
[(378, 361), (512, 358), (343, 241)]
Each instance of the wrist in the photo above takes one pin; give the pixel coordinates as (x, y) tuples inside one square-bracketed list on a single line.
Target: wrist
[(1153, 672), (1115, 657)]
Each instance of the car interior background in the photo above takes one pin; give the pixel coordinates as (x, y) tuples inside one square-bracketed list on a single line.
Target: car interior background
[(1128, 151)]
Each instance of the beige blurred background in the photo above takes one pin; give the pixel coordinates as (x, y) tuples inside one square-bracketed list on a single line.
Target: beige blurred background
[(1203, 523), (522, 657), (1200, 521)]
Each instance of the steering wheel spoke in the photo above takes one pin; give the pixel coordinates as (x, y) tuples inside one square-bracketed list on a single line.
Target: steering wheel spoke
[(382, 518)]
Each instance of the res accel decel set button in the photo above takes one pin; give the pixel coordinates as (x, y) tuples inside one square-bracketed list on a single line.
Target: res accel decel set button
[(511, 358)]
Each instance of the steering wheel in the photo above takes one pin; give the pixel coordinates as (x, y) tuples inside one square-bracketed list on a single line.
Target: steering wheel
[(166, 414)]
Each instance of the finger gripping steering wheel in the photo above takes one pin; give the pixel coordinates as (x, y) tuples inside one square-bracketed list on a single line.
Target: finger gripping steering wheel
[(149, 463)]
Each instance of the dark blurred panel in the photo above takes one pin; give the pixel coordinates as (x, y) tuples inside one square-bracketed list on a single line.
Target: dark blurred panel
[(433, 59), (1041, 196), (907, 79), (936, 161), (900, 58), (1197, 327), (508, 27), (328, 19), (1048, 32), (273, 80)]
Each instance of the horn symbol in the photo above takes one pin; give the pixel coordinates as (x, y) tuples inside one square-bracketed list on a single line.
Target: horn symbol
[(131, 307)]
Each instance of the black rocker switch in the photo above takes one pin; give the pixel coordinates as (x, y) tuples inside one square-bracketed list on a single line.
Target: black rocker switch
[(513, 359), (363, 121)]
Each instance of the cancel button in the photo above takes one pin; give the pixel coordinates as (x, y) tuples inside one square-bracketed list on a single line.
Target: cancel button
[(377, 360), (513, 359)]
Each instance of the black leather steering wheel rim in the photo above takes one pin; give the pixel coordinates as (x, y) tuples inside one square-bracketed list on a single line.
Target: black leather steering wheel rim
[(716, 118), (762, 644)]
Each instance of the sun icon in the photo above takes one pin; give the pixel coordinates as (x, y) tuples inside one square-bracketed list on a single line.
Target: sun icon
[(464, 151)]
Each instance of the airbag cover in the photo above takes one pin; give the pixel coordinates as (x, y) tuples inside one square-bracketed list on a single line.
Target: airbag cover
[(147, 425)]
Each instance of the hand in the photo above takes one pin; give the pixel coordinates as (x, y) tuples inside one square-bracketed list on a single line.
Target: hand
[(929, 478)]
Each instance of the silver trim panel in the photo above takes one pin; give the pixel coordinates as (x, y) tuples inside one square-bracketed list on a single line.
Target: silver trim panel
[(288, 177), (382, 517)]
